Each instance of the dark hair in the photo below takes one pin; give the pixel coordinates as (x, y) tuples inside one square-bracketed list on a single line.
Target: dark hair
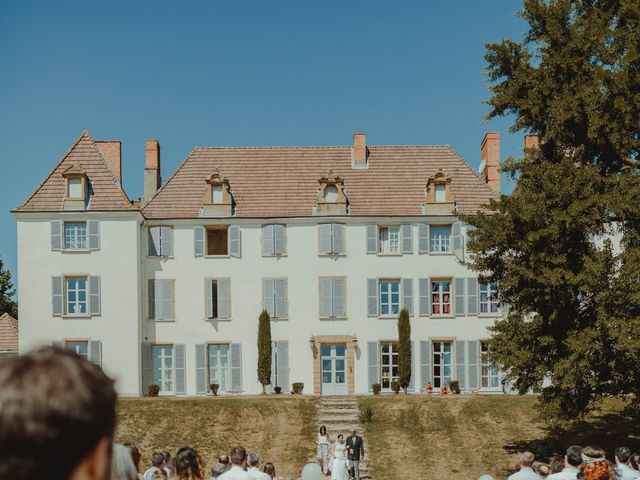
[(224, 459), (593, 452), (157, 459), (135, 454), (340, 435), (574, 455), (634, 461), (321, 429), (238, 455), (556, 463), (166, 455), (188, 464), (270, 469), (623, 454), (55, 408)]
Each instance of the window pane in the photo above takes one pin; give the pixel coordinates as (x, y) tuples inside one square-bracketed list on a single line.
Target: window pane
[(341, 350), (325, 350), (75, 188), (216, 193), (441, 193)]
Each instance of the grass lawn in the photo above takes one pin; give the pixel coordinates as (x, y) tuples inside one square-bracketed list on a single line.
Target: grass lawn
[(466, 436), (281, 430)]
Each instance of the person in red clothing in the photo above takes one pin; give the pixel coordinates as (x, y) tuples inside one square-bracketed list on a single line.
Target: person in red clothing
[(429, 388), (444, 390)]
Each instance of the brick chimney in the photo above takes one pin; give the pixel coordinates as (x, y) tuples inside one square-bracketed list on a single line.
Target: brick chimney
[(490, 154), (359, 150), (531, 141), (112, 153), (152, 180)]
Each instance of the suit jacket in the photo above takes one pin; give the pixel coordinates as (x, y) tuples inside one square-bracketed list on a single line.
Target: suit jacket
[(357, 446)]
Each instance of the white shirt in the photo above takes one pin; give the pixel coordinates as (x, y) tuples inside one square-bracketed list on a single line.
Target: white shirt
[(256, 474), (624, 472), (567, 473), (525, 473), (323, 439), (235, 473), (148, 475)]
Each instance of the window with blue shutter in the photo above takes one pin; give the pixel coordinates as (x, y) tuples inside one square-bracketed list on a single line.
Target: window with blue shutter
[(161, 241), (423, 238), (274, 297), (201, 369), (236, 367), (407, 238), (56, 235), (94, 234), (407, 294), (161, 299), (372, 297), (180, 363), (274, 240), (331, 239), (57, 296), (372, 239), (218, 298), (373, 363), (332, 298)]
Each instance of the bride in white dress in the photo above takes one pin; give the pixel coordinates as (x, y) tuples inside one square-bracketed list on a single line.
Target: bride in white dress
[(339, 463)]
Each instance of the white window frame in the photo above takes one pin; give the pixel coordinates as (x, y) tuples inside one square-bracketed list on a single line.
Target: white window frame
[(68, 344), (438, 379), (440, 193), (151, 284), (217, 194), (73, 184), (164, 370), (76, 239), (441, 293), (490, 302), (77, 292), (392, 354), (219, 368), (489, 374), (389, 240), (210, 228), (438, 241), (390, 304)]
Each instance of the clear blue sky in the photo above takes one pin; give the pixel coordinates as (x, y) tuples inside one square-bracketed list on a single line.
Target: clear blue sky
[(207, 73)]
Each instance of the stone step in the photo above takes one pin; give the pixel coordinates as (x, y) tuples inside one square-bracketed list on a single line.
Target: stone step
[(340, 411)]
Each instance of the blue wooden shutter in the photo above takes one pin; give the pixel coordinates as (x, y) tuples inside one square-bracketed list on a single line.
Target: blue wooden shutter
[(94, 296), (198, 241), (430, 296), (201, 369), (180, 361), (461, 366), (472, 296), (166, 241), (282, 349), (425, 362), (337, 234), (268, 303), (338, 296), (57, 300), (412, 365), (208, 298), (372, 297), (56, 344), (325, 239), (326, 300), (236, 367), (280, 239), (154, 241), (407, 238), (458, 290), (423, 287), (472, 349), (458, 247), (168, 308), (224, 304), (93, 226), (373, 363), (234, 241), (372, 239), (95, 352), (267, 240), (147, 366), (407, 294), (56, 235), (280, 285), (423, 238)]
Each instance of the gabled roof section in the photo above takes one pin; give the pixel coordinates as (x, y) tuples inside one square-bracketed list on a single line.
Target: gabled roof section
[(283, 181), (8, 333), (84, 156)]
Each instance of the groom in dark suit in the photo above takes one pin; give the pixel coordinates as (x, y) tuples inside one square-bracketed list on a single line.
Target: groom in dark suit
[(355, 453)]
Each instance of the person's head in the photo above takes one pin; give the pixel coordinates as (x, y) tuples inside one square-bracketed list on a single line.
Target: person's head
[(323, 430), (486, 477), (253, 459), (623, 454), (526, 459), (634, 461), (597, 470), (57, 417), (122, 466), (340, 438), (223, 459), (269, 469), (591, 453), (135, 454), (556, 463), (573, 458), (157, 459), (188, 464), (353, 432), (217, 469), (238, 456), (542, 470), (168, 461)]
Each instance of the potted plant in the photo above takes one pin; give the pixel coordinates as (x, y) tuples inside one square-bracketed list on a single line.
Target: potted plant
[(278, 390), (377, 388), (395, 386), (214, 388), (153, 390)]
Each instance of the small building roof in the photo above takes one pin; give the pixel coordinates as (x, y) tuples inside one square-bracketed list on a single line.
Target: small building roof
[(8, 333)]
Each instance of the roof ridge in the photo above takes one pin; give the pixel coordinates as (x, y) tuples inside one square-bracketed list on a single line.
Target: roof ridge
[(295, 147), (117, 182), (473, 171), (170, 178)]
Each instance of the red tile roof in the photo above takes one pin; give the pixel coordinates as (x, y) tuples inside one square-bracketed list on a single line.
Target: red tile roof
[(107, 191), (283, 181), (8, 333)]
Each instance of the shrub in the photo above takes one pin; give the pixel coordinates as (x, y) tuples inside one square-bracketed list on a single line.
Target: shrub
[(365, 415), (404, 349), (214, 388), (153, 390), (454, 385), (297, 388), (376, 387), (278, 390), (395, 386)]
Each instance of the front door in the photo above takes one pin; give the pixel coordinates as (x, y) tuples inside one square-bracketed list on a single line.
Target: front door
[(334, 368)]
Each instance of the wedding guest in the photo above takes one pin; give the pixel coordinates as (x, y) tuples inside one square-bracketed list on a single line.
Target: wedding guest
[(355, 453), (216, 470), (592, 453), (57, 417), (253, 461), (238, 457), (542, 469), (634, 461), (270, 469), (572, 461), (168, 463), (339, 462), (597, 470), (224, 459), (429, 388), (444, 390), (188, 465), (157, 465), (623, 468), (323, 449), (556, 463), (135, 456), (486, 477), (525, 471), (122, 466)]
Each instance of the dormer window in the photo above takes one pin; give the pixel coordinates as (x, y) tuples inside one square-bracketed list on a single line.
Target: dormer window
[(75, 188), (439, 199), (331, 194), (331, 197), (218, 201), (441, 193), (216, 194), (78, 191)]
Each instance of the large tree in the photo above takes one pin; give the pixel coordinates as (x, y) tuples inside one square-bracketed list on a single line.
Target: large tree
[(7, 304), (264, 349), (564, 247), (404, 349)]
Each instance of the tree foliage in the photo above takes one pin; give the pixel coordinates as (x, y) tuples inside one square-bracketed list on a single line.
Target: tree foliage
[(7, 304), (264, 350), (565, 246), (404, 349)]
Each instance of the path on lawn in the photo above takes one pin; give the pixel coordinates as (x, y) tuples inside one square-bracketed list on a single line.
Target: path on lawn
[(340, 415)]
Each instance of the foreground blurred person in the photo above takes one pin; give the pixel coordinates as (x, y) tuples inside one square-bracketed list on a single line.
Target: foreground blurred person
[(122, 465), (57, 418), (188, 465)]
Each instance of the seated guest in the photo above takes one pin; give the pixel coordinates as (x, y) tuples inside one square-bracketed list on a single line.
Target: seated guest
[(556, 463), (157, 466), (597, 470), (572, 461), (591, 453), (217, 469), (168, 463), (623, 468), (238, 457), (525, 471), (57, 417), (253, 461), (135, 456), (542, 469), (122, 466), (270, 469), (634, 461), (224, 459), (188, 465)]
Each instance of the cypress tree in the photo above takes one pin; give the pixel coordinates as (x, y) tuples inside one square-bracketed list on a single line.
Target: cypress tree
[(264, 350), (404, 349)]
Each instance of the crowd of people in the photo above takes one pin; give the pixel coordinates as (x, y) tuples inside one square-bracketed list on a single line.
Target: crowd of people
[(58, 417)]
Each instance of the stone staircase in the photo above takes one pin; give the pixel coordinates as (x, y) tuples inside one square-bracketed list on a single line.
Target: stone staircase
[(340, 415)]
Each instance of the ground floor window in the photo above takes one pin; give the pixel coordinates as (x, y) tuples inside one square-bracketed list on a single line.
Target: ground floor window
[(79, 348), (441, 364), (163, 367), (489, 373), (388, 364), (219, 366)]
